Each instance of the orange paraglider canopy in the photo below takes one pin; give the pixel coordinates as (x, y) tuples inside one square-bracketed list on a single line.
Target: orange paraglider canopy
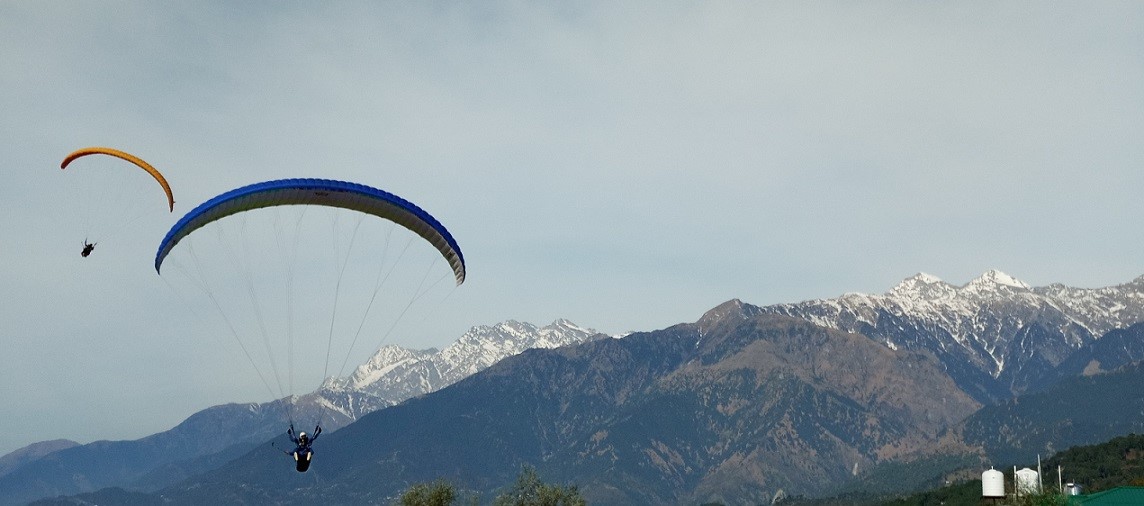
[(125, 156)]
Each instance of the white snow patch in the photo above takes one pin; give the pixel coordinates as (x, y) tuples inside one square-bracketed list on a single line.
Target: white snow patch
[(994, 277)]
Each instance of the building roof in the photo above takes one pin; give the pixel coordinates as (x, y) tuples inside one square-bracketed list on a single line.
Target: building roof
[(1119, 496)]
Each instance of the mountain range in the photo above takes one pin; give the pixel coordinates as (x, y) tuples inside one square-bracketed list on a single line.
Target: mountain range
[(996, 335), (215, 435), (744, 405), (731, 408)]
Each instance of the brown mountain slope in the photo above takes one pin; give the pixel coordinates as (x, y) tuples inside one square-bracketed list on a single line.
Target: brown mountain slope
[(733, 408)]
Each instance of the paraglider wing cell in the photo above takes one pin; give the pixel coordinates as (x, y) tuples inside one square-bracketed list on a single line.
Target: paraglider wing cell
[(319, 192)]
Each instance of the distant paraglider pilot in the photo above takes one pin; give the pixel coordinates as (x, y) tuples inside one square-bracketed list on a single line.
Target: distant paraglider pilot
[(302, 452), (87, 248)]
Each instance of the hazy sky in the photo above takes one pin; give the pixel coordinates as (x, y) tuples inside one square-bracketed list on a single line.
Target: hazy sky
[(624, 165)]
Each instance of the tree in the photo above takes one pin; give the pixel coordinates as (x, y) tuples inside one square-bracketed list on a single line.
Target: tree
[(530, 491), (439, 493)]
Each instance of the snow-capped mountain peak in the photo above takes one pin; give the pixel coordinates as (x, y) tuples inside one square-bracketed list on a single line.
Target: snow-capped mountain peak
[(996, 330), (922, 285), (992, 280), (395, 374), (386, 359)]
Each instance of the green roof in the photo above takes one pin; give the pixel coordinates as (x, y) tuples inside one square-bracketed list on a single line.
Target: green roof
[(1119, 496)]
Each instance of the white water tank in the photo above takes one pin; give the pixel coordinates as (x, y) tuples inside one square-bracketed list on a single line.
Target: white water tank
[(992, 484), (1028, 482)]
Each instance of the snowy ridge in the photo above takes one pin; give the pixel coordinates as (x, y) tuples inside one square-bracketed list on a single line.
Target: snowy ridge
[(395, 374), (386, 360), (996, 323)]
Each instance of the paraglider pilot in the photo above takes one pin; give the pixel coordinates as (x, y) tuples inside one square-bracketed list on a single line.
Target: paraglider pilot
[(302, 452), (87, 247)]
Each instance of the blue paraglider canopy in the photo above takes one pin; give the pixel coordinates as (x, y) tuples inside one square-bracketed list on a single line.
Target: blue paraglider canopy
[(318, 192)]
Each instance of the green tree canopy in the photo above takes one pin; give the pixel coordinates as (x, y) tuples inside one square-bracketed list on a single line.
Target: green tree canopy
[(438, 493), (530, 491)]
